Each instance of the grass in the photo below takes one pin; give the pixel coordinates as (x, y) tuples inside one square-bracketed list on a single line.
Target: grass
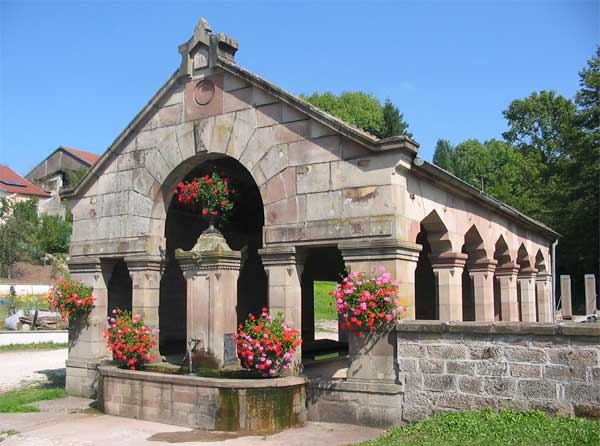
[(490, 428), (34, 346), (16, 401), (322, 298)]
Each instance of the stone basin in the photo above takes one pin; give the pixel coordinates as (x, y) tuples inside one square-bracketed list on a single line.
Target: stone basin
[(239, 405)]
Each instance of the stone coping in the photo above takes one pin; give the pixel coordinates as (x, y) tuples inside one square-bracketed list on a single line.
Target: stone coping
[(524, 328), (354, 386), (200, 381)]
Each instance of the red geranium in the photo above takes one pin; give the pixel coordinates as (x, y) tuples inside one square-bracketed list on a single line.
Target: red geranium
[(266, 344), (71, 299), (209, 194), (129, 339)]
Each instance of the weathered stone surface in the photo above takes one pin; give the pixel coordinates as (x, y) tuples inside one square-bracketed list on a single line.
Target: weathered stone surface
[(313, 178)]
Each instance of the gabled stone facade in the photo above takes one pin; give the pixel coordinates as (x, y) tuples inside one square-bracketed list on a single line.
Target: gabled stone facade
[(322, 183)]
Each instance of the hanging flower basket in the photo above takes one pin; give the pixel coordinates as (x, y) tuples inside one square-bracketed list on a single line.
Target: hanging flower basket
[(266, 344), (72, 300), (209, 195), (367, 302)]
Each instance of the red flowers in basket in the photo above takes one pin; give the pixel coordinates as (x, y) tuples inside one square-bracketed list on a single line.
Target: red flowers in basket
[(211, 194), (129, 339), (71, 299), (367, 301), (266, 344)]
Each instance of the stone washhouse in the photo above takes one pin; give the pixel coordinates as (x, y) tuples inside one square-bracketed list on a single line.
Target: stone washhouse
[(316, 197)]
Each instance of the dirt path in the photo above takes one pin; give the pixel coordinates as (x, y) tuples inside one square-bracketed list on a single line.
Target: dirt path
[(24, 367)]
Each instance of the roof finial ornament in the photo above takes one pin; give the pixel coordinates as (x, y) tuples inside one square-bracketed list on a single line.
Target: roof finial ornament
[(202, 27)]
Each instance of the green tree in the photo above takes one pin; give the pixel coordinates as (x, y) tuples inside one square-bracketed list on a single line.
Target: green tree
[(393, 121), (541, 123), (53, 235), (362, 110), (444, 154)]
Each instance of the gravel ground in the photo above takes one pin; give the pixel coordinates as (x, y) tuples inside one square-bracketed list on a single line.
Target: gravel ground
[(25, 367)]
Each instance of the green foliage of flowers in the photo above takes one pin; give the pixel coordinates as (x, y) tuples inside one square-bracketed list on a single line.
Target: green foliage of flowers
[(490, 428)]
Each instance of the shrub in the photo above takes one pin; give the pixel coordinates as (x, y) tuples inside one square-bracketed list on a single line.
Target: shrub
[(367, 301), (71, 299), (129, 339), (266, 344)]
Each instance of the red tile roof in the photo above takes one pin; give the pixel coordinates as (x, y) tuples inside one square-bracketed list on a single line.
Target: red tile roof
[(88, 157), (27, 188)]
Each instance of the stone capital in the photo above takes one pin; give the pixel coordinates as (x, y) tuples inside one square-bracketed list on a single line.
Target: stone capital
[(280, 256), (527, 273), (482, 266), (448, 260), (379, 250), (507, 270)]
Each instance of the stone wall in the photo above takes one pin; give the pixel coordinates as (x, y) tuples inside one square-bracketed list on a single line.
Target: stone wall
[(203, 403), (461, 366)]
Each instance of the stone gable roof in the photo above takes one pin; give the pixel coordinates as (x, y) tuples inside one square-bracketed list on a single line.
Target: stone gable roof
[(220, 54)]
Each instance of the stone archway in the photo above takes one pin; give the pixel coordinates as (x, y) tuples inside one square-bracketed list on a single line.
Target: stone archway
[(243, 233)]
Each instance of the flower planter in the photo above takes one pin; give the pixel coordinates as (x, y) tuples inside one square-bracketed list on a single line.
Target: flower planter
[(373, 356)]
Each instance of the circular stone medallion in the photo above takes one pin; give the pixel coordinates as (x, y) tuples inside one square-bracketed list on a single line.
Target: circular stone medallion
[(205, 91)]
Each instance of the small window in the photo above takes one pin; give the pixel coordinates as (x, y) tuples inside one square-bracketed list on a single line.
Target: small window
[(12, 183)]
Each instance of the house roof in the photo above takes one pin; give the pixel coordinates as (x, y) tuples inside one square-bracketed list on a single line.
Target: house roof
[(89, 157), (12, 182)]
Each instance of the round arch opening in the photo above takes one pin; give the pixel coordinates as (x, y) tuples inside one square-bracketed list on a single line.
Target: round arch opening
[(243, 232)]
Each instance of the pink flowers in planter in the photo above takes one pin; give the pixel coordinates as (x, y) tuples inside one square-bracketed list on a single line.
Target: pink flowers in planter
[(266, 344), (367, 301), (129, 339)]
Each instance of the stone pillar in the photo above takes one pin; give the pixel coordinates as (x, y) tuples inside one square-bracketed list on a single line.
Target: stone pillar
[(543, 287), (145, 294), (507, 276), (397, 257), (211, 270), (482, 274), (565, 297), (448, 268), (526, 279), (284, 270), (590, 294), (87, 347)]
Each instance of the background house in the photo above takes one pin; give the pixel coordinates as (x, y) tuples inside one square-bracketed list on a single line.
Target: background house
[(59, 170)]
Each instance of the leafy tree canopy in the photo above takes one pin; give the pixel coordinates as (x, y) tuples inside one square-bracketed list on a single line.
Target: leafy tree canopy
[(362, 110)]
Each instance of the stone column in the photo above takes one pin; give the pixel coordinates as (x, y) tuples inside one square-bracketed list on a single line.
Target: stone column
[(543, 287), (590, 294), (526, 279), (284, 271), (565, 297), (509, 305), (397, 257), (211, 270), (482, 274), (448, 268), (87, 347), (145, 275)]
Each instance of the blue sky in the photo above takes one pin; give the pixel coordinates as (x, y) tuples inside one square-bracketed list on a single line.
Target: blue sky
[(75, 73)]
